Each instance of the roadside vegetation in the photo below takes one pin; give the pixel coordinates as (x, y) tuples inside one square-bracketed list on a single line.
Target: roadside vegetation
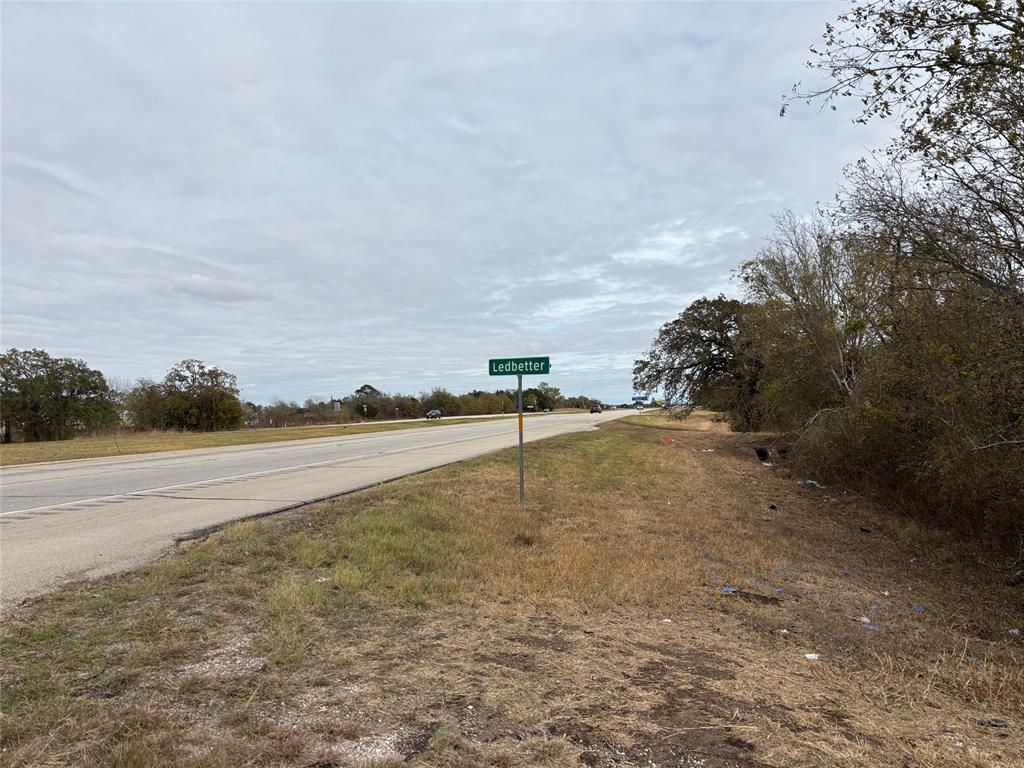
[(885, 335), (653, 604)]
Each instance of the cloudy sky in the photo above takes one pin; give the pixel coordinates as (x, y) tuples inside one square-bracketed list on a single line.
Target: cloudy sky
[(316, 196)]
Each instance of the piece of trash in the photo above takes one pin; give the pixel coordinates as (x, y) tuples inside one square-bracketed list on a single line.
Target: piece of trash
[(864, 620), (321, 580), (1014, 632), (783, 631), (707, 450), (811, 656), (815, 483), (972, 658), (666, 621), (868, 626), (726, 589), (886, 593), (777, 590), (846, 574), (873, 606), (992, 722), (917, 607)]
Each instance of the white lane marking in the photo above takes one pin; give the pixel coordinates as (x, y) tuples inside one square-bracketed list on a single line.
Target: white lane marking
[(80, 502), (169, 459)]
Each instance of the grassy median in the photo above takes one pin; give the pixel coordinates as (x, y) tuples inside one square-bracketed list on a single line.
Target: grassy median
[(652, 604)]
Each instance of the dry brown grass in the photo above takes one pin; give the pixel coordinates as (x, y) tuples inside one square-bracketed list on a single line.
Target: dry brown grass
[(433, 622)]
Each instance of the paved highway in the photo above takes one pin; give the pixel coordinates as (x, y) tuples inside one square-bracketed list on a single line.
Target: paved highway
[(93, 517)]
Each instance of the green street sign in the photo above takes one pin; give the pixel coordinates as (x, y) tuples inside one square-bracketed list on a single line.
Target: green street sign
[(519, 366)]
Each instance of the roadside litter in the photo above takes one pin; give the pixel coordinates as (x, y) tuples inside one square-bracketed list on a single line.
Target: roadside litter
[(917, 607), (811, 656)]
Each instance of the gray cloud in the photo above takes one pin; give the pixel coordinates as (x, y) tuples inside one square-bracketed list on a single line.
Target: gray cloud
[(320, 195)]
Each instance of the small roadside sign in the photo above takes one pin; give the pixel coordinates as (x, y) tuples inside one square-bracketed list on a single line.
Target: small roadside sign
[(639, 398), (519, 367)]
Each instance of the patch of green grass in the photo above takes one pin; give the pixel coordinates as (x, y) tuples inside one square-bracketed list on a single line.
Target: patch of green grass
[(929, 540)]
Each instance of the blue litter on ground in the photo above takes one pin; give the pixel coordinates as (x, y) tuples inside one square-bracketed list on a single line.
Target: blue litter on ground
[(729, 590), (873, 606), (869, 626), (846, 574), (917, 608)]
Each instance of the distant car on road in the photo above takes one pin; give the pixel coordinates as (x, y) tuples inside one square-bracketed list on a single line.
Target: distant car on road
[(595, 408), (433, 414)]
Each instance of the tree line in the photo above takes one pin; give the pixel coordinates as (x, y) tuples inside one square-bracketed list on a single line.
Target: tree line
[(48, 398), (369, 403), (884, 334)]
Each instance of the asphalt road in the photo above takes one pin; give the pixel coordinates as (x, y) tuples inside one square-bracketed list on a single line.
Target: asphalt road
[(92, 517)]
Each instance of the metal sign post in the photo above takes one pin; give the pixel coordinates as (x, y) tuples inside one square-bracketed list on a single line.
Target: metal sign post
[(518, 366), (522, 474)]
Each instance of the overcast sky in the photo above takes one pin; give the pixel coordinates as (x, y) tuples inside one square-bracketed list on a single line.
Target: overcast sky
[(319, 196)]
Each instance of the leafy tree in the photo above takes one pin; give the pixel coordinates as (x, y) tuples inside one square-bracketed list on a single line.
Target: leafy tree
[(191, 397), (702, 359), (547, 396), (369, 392), (951, 187), (442, 400), (47, 398), (201, 399)]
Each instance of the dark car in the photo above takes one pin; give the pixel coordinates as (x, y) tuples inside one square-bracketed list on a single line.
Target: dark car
[(433, 414), (595, 408)]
